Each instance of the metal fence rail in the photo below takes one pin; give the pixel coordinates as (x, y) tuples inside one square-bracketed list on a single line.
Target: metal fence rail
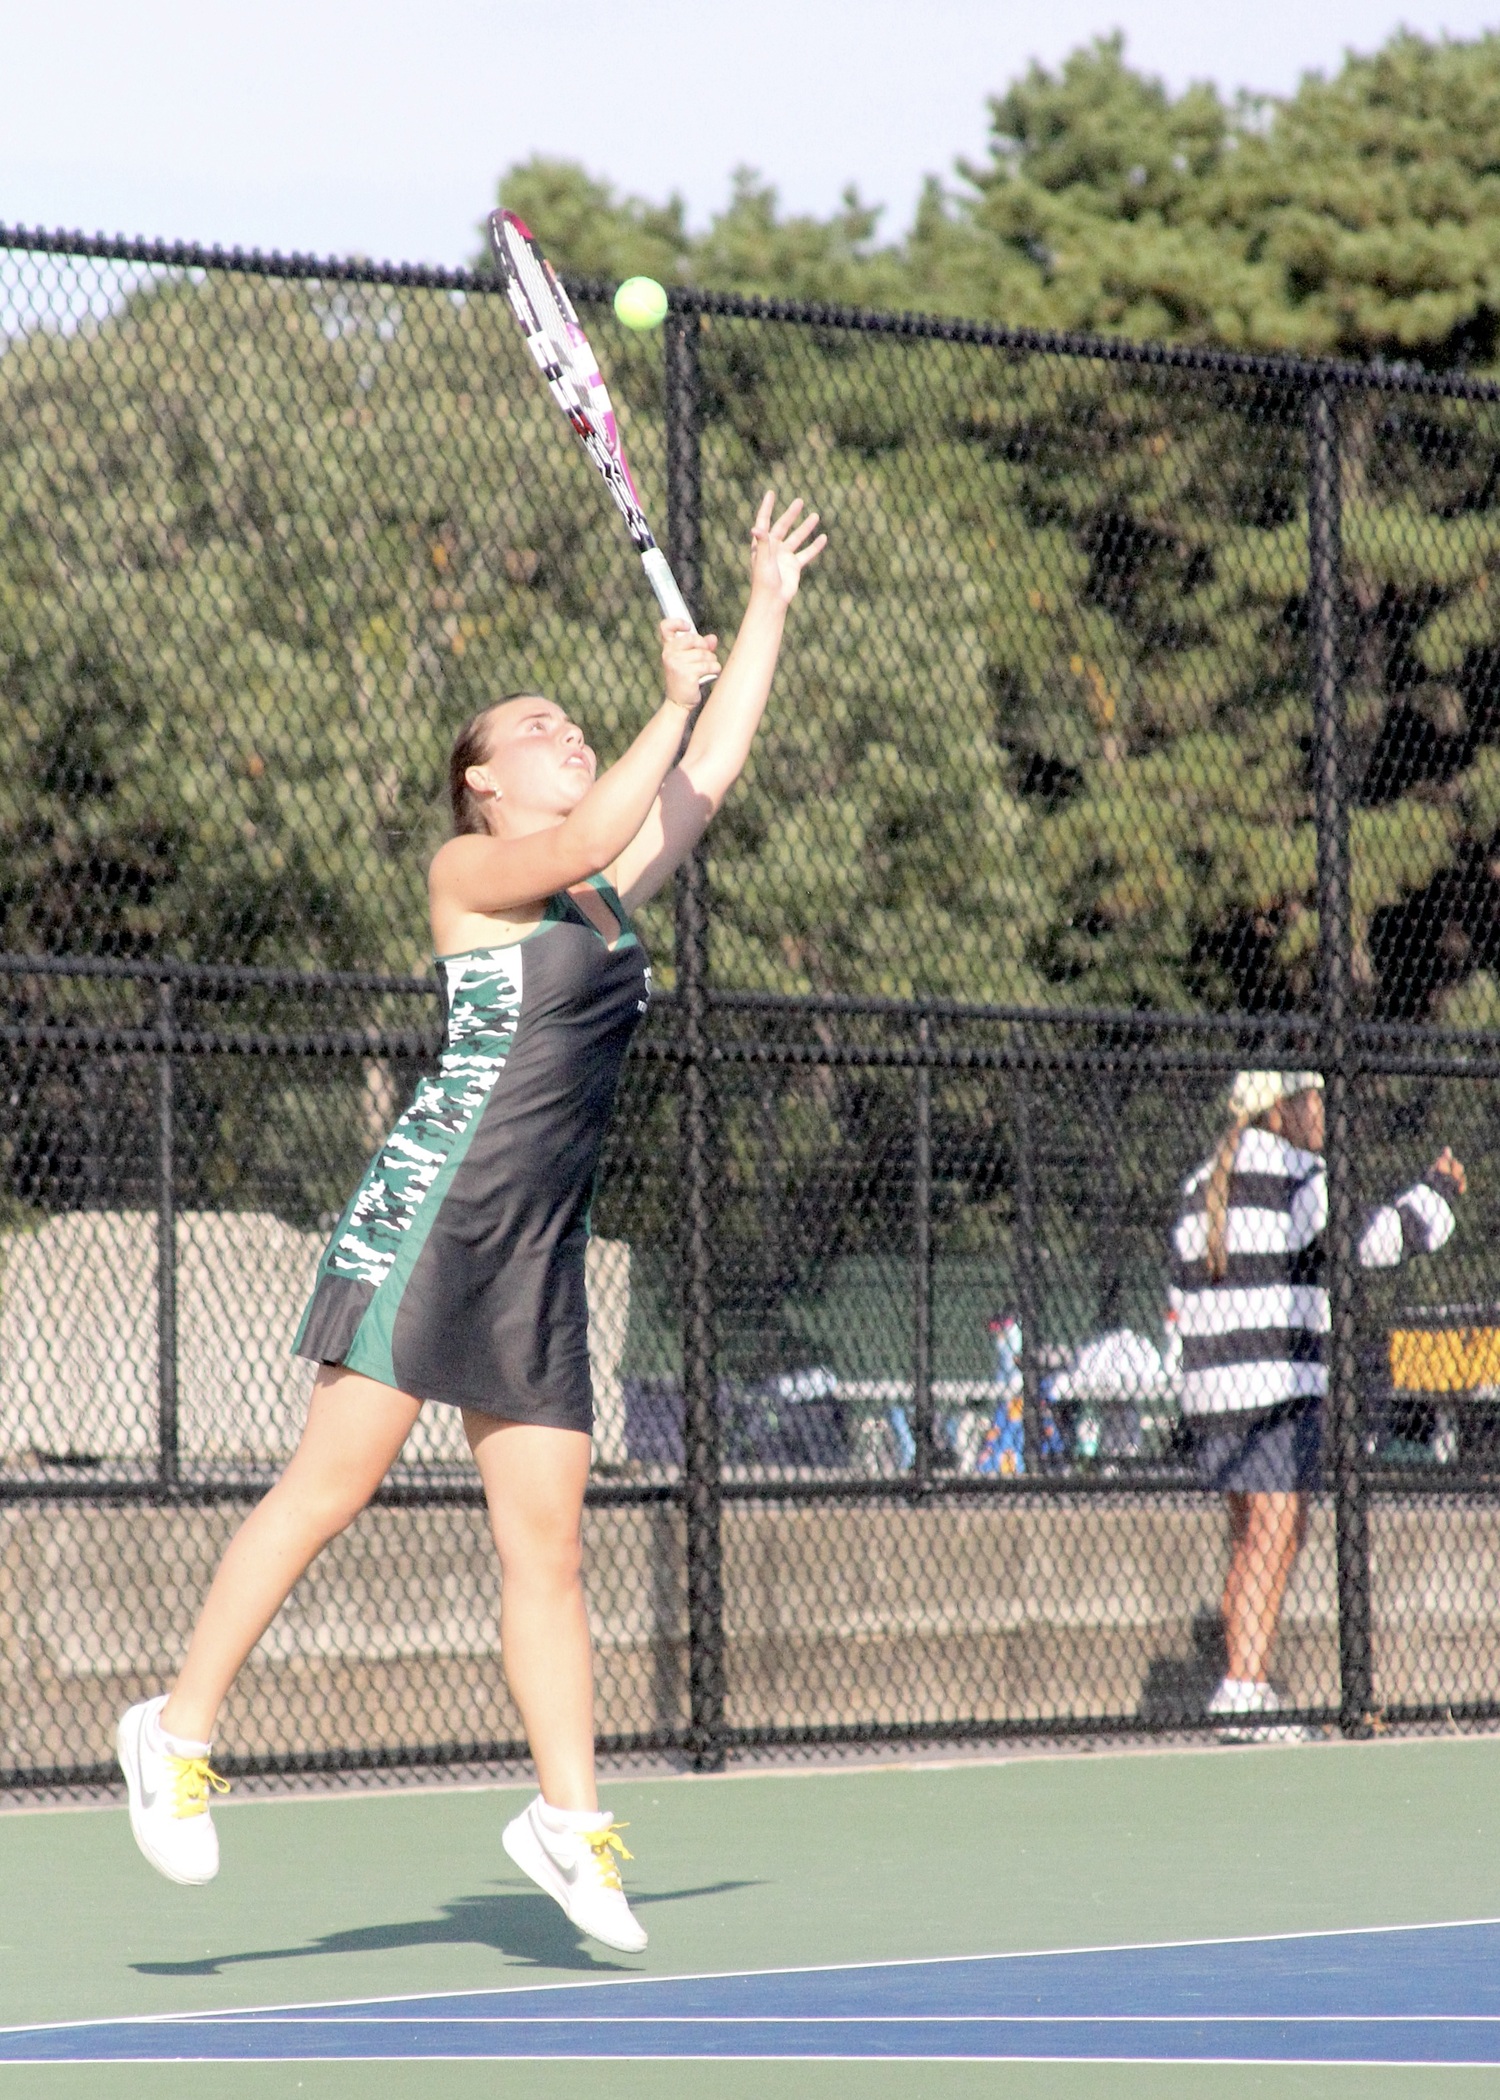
[(1142, 727)]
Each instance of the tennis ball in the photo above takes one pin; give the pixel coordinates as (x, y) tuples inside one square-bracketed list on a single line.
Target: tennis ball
[(641, 303)]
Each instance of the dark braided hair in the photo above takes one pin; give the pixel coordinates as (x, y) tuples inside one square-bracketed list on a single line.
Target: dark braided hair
[(471, 747)]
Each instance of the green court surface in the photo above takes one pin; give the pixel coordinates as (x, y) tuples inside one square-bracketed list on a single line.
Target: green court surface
[(385, 1893)]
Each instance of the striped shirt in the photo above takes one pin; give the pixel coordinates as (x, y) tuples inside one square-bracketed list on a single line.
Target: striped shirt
[(1254, 1338)]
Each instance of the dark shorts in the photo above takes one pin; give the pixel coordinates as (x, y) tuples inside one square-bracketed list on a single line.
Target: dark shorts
[(1277, 1453)]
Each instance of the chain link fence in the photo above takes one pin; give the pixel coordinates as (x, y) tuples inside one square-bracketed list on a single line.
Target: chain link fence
[(1141, 724)]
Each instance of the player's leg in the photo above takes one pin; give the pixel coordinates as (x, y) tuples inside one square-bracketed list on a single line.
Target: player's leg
[(354, 1431), (1273, 1528), (1231, 1604), (534, 1480), (1264, 1467), (355, 1428)]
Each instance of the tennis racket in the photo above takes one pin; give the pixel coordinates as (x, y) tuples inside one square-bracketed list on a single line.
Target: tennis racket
[(556, 340)]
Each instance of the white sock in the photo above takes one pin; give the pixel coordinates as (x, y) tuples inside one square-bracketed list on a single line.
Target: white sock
[(561, 1819), (158, 1740)]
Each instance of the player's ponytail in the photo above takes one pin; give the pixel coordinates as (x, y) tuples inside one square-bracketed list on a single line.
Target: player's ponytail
[(470, 748), (1216, 1202)]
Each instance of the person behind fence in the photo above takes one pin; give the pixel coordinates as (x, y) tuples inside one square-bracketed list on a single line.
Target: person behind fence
[(1250, 1299), (1003, 1450), (456, 1273)]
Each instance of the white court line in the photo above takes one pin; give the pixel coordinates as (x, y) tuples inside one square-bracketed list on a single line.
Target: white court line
[(834, 1968), (1318, 2063), (858, 2020), (322, 2007)]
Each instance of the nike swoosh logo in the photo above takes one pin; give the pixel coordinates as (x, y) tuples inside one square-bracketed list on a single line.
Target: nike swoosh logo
[(568, 1872), (148, 1794)]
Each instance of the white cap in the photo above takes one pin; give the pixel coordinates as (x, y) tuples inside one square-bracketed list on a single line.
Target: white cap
[(1254, 1092)]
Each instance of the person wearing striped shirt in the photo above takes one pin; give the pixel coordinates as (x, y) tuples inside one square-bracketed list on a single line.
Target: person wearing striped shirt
[(1251, 1306)]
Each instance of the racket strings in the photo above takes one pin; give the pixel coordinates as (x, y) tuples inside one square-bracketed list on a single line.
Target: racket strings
[(561, 350), (541, 290)]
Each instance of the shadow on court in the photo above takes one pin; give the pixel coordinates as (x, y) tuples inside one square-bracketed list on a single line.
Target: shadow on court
[(1182, 1685), (524, 1927)]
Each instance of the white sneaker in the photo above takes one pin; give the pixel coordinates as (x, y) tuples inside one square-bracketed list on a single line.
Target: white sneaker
[(168, 1782), (1235, 1696), (572, 1857)]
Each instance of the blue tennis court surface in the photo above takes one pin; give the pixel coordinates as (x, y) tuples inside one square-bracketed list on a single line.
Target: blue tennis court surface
[(1421, 1995)]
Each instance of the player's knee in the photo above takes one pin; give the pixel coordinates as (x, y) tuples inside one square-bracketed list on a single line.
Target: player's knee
[(320, 1506), (560, 1558), (544, 1556)]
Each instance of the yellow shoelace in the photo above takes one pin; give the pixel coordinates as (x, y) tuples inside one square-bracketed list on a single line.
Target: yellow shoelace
[(603, 1843), (191, 1779)]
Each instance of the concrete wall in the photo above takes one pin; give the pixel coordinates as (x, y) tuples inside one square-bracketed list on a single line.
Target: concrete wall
[(863, 1612), (1023, 1611)]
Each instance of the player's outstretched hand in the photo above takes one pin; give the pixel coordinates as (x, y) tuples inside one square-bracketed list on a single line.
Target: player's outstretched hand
[(1445, 1163), (687, 659), (780, 551)]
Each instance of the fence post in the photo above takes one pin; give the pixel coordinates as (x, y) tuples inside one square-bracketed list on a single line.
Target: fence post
[(1335, 975), (768, 1207), (166, 1239), (701, 1485), (921, 1282), (93, 1135), (1027, 1293)]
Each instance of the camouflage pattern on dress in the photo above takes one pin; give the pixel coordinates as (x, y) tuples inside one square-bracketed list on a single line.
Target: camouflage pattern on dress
[(484, 1011)]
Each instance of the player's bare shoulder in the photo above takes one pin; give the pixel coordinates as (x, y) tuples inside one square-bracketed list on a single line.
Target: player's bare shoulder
[(446, 868)]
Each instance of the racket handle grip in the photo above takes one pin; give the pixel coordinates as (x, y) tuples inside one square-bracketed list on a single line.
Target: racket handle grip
[(659, 575), (673, 605)]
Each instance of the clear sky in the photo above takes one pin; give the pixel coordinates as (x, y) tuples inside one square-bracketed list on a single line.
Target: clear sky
[(381, 127)]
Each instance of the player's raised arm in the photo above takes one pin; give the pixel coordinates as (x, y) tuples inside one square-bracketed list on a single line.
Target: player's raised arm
[(780, 549), (541, 819)]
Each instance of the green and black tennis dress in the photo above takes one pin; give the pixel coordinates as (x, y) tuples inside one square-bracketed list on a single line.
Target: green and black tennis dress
[(457, 1270)]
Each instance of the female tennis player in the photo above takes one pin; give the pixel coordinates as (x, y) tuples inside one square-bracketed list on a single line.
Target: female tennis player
[(1249, 1292), (456, 1273)]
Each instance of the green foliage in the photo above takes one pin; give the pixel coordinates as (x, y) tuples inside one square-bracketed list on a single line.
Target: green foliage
[(1042, 731), (1364, 215), (590, 230), (1084, 217), (263, 548), (1041, 735), (755, 250), (1358, 215)]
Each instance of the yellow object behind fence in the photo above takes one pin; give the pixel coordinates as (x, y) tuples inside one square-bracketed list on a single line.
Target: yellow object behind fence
[(1444, 1359)]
